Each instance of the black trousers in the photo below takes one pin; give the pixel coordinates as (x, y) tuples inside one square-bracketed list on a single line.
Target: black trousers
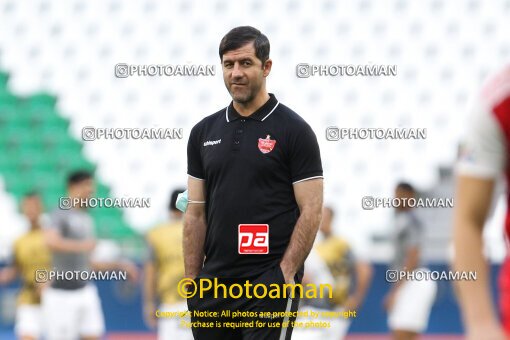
[(254, 319)]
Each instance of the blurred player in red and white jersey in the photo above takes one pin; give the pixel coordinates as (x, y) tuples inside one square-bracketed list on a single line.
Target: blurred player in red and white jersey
[(484, 157)]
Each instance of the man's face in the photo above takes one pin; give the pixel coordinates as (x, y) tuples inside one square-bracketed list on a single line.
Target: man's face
[(32, 208), (83, 189), (243, 73), (404, 195)]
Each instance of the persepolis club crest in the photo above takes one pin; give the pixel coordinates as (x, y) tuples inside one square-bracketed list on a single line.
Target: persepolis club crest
[(266, 145)]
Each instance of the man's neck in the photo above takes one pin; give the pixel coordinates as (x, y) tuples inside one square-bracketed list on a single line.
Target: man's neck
[(34, 225), (246, 109)]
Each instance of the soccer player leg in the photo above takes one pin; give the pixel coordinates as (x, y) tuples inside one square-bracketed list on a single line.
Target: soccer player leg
[(275, 315), (174, 327), (92, 322), (61, 314), (28, 321), (412, 307), (504, 286)]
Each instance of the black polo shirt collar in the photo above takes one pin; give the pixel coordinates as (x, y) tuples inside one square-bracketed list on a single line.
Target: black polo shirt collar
[(262, 113)]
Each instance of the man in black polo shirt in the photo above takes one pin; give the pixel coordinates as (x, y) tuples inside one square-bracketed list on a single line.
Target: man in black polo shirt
[(255, 190)]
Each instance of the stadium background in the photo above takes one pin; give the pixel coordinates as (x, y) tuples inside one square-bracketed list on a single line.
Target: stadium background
[(57, 76)]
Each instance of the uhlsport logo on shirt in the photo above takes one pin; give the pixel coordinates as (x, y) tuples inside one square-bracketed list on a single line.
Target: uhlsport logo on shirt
[(253, 238), (266, 145), (212, 142)]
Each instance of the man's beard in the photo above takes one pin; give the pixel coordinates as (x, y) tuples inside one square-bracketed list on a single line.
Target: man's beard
[(245, 97)]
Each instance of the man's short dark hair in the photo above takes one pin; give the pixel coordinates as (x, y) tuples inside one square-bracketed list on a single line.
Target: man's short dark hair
[(78, 177), (31, 194), (406, 187), (242, 35), (173, 198)]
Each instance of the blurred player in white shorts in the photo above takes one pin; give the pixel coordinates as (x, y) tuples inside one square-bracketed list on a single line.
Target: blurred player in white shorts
[(30, 255), (163, 271), (332, 261), (71, 307), (408, 302)]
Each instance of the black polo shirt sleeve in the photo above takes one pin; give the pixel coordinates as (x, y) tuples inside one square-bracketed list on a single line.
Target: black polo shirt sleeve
[(305, 158), (195, 167)]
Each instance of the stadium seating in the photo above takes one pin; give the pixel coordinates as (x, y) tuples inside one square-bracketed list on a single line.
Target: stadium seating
[(38, 153)]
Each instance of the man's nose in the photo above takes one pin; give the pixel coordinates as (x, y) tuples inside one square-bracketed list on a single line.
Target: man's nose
[(236, 71)]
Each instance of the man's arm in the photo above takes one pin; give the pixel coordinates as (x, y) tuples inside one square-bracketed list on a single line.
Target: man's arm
[(129, 267), (412, 258), (309, 195), (472, 200), (194, 228), (363, 272), (149, 289), (8, 274), (57, 242), (411, 263)]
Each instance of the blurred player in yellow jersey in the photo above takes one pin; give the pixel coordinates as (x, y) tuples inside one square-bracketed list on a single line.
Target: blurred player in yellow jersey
[(333, 261), (163, 271), (30, 256)]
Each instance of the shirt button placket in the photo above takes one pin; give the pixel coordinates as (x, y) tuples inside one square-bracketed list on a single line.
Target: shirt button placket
[(238, 134)]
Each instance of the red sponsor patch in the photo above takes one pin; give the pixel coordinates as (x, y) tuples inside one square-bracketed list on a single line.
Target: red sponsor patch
[(253, 239), (266, 144)]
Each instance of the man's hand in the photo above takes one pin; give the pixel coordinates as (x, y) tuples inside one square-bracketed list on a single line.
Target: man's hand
[(352, 303), (131, 270), (56, 242), (288, 273), (7, 275), (149, 313), (190, 275), (389, 300), (364, 272), (125, 265), (189, 285), (40, 287), (88, 246)]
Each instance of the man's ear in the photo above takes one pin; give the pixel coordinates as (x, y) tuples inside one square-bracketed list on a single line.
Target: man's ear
[(267, 67)]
